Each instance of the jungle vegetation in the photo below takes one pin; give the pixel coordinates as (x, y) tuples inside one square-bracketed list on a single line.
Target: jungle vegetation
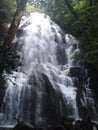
[(78, 17)]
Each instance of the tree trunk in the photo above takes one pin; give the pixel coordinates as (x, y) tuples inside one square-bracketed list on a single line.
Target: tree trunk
[(90, 2), (15, 23), (18, 2), (71, 9)]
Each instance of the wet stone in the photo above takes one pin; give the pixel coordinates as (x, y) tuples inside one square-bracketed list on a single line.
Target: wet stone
[(75, 72)]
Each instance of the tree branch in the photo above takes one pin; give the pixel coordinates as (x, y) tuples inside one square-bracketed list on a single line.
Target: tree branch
[(15, 23), (71, 9)]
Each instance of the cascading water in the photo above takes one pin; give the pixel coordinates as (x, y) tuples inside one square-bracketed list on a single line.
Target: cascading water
[(42, 90)]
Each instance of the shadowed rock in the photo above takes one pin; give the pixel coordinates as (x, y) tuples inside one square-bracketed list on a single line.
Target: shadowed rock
[(61, 55), (75, 72), (22, 126)]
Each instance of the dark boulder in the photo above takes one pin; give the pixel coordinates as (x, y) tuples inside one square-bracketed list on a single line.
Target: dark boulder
[(61, 55), (58, 127), (75, 72), (22, 126), (44, 95), (50, 104), (67, 123), (19, 33)]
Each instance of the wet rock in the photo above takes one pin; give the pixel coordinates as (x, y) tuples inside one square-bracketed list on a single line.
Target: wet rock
[(93, 74), (19, 33), (50, 102), (83, 125), (68, 119), (55, 127), (2, 90), (4, 128), (22, 126), (75, 72), (61, 55), (67, 123), (58, 127)]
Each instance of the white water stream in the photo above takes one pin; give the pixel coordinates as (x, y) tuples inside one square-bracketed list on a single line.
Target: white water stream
[(38, 48)]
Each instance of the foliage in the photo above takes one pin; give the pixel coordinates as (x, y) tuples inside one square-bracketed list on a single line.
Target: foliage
[(7, 9), (30, 8), (9, 59), (85, 27)]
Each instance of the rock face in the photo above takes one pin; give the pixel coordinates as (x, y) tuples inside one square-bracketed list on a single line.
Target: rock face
[(65, 124), (75, 72), (5, 128), (21, 126), (50, 102), (19, 33), (61, 55), (85, 82), (43, 96), (93, 73), (2, 90)]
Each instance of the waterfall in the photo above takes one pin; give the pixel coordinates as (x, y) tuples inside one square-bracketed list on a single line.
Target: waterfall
[(47, 85)]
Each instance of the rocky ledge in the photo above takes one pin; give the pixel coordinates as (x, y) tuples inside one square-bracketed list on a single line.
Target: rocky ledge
[(65, 124)]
